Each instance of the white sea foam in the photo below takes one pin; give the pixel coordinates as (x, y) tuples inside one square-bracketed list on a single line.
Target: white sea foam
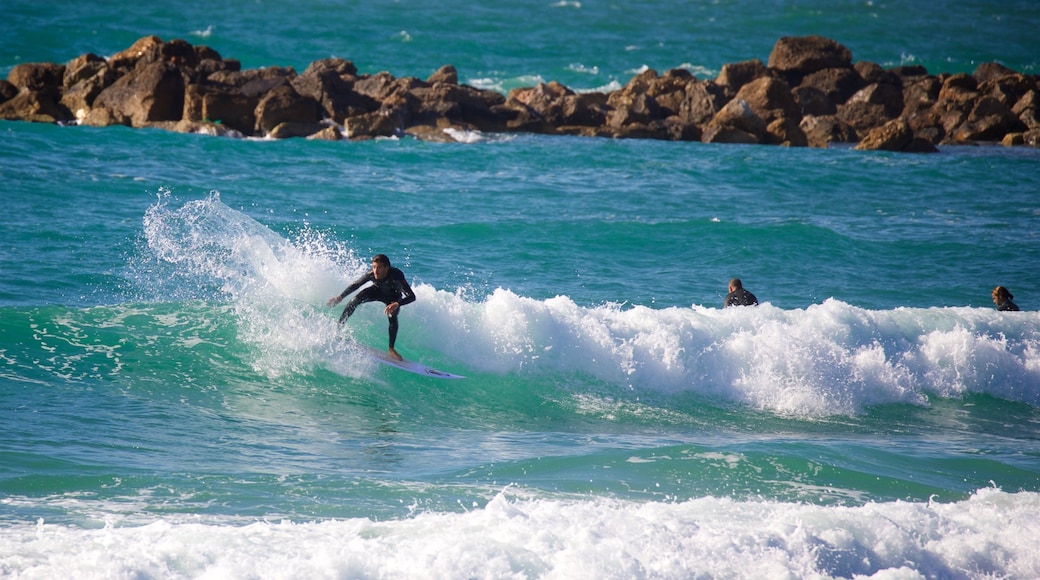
[(990, 534), (829, 358)]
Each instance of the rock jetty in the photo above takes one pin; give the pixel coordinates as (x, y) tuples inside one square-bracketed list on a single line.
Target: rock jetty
[(809, 93)]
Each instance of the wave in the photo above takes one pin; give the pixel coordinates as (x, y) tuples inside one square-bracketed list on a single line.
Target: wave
[(233, 282), (990, 534)]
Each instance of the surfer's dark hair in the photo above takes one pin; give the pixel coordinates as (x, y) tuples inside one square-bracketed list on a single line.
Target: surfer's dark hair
[(1002, 293), (736, 284), (381, 259)]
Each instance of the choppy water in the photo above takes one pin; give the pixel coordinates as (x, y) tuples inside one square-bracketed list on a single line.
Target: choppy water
[(177, 401)]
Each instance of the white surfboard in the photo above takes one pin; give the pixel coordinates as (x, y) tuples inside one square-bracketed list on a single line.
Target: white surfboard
[(411, 366)]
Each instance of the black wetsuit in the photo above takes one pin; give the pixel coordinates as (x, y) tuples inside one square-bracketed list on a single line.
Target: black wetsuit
[(1007, 306), (391, 288), (740, 297)]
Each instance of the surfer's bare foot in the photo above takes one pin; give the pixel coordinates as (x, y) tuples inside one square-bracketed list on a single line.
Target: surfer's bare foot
[(394, 354)]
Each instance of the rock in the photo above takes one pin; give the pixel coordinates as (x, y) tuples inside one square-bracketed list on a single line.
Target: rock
[(895, 135), (7, 91), (330, 82), (290, 129), (218, 104), (785, 131), (702, 102), (959, 89), (370, 126), (822, 130), (329, 133), (837, 84), (733, 76), (872, 106), (1028, 109), (446, 74), (989, 71), (920, 95), (812, 101), (872, 73), (990, 120), (735, 123), (770, 99), (544, 101), (148, 94), (128, 58), (795, 57), (35, 107), (283, 104), (38, 77)]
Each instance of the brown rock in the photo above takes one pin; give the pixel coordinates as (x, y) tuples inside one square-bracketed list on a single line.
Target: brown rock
[(702, 102), (1008, 89), (221, 105), (430, 133), (895, 135), (585, 109), (148, 94), (7, 91), (628, 109), (371, 125), (920, 95), (1028, 109), (735, 123), (283, 104), (129, 57), (200, 128), (812, 101), (39, 77), (82, 68), (291, 129), (770, 99), (330, 82), (446, 74), (820, 131), (544, 101), (35, 107), (735, 75), (785, 131), (794, 57), (872, 106), (959, 89), (990, 120), (329, 133), (872, 73), (989, 71), (837, 84)]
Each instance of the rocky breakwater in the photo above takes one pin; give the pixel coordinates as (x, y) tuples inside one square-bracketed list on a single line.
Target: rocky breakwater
[(809, 93)]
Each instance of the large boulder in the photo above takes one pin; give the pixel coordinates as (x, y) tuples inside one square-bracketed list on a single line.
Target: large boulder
[(837, 84), (702, 102), (896, 135), (872, 106), (735, 75), (735, 123), (153, 92), (283, 104), (822, 130), (989, 120), (221, 105), (794, 57), (331, 83), (770, 99), (1028, 109)]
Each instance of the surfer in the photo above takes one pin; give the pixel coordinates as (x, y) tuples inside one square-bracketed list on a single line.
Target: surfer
[(738, 296), (388, 286), (1002, 298)]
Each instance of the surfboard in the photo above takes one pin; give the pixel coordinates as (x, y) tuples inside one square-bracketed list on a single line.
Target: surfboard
[(411, 366)]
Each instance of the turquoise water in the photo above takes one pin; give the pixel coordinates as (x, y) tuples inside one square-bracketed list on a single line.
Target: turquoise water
[(177, 401)]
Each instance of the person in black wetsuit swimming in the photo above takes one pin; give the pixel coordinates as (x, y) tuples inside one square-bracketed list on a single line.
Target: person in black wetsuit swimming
[(388, 286), (1002, 298), (738, 296)]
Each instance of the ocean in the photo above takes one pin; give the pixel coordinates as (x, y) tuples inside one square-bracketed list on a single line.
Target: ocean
[(177, 400)]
